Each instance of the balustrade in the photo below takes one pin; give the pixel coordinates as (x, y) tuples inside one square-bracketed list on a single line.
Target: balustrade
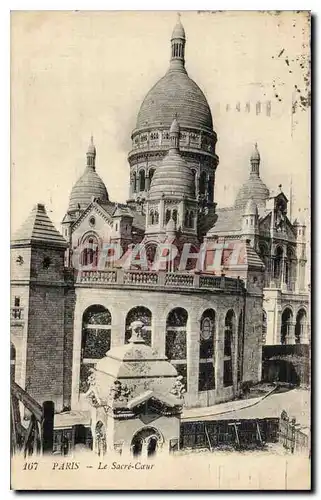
[(159, 279), (175, 279)]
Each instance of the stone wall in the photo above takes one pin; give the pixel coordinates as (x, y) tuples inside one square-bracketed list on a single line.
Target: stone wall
[(119, 301)]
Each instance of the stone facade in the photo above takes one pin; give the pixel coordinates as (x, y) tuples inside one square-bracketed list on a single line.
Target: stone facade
[(263, 218)]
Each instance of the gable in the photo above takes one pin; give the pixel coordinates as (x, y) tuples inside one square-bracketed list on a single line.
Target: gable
[(92, 220)]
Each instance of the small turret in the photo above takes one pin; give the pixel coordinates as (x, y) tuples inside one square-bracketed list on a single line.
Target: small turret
[(250, 221)]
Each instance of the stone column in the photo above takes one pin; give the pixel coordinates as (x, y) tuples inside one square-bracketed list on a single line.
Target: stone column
[(159, 331), (291, 332), (192, 354), (219, 353), (76, 358), (181, 214), (161, 213), (118, 329), (235, 354)]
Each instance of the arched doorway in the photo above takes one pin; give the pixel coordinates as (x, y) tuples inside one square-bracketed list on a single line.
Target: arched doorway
[(229, 343), (300, 326), (144, 315), (146, 443), (286, 323), (96, 338), (175, 345), (206, 380)]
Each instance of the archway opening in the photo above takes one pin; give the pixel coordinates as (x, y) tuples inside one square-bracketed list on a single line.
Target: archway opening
[(206, 380), (96, 338), (300, 326), (229, 341), (146, 442), (286, 323), (175, 347), (144, 315)]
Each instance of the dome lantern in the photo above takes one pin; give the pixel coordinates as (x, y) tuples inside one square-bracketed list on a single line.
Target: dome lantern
[(91, 154), (255, 161), (178, 41)]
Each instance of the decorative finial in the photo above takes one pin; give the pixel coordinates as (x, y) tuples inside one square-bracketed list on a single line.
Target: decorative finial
[(280, 187), (92, 139)]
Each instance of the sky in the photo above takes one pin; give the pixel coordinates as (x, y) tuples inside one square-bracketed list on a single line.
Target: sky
[(74, 74)]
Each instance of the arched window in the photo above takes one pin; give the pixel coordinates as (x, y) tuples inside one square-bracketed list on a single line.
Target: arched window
[(278, 259), (203, 183), (300, 326), (150, 253), (134, 182), (264, 327), (146, 442), (167, 216), (139, 314), (12, 361), (151, 175), (90, 251), (191, 219), (96, 337), (229, 341), (207, 351), (141, 180), (286, 323), (175, 347), (174, 215), (156, 217), (240, 347), (151, 217), (290, 268), (186, 220)]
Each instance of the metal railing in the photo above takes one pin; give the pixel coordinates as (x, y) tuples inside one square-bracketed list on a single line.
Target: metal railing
[(33, 435)]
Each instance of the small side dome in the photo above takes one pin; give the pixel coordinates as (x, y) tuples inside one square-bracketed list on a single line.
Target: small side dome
[(89, 185), (178, 31), (251, 208), (255, 156)]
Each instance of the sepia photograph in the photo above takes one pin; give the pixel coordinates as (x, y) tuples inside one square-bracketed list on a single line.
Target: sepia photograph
[(160, 250)]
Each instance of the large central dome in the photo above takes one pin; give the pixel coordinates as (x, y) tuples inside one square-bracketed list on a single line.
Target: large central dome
[(175, 93)]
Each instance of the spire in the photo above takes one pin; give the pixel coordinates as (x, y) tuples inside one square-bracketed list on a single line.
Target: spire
[(178, 41), (255, 161), (174, 133), (91, 154)]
